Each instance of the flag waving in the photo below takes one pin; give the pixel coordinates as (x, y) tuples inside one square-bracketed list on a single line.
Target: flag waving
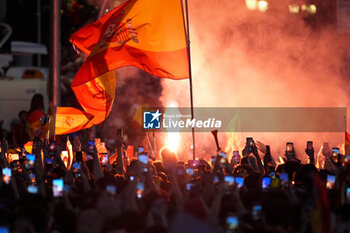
[(147, 34)]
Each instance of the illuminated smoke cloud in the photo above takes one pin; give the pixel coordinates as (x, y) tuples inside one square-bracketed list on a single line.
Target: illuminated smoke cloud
[(243, 58)]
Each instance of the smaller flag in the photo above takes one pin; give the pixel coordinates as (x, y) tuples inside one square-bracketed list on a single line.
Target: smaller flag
[(347, 143), (28, 146), (69, 120)]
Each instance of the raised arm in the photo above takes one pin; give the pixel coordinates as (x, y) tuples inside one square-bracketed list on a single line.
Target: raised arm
[(120, 165)]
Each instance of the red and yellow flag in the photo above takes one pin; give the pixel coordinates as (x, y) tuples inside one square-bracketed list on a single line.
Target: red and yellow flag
[(28, 146), (69, 120), (148, 34), (34, 124), (347, 143)]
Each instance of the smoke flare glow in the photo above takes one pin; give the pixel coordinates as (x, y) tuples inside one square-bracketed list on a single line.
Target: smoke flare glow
[(245, 58)]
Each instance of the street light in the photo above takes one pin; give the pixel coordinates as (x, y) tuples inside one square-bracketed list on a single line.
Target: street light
[(260, 5), (251, 4), (263, 5), (312, 9), (293, 8)]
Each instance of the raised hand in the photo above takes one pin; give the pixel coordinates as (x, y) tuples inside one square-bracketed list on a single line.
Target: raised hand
[(261, 147), (310, 153), (76, 144)]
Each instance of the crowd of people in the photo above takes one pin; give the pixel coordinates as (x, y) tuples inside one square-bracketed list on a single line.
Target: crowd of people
[(47, 188)]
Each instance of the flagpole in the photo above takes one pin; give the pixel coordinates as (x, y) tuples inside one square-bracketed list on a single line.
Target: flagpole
[(155, 146), (102, 9), (38, 28), (55, 56), (187, 31), (149, 143)]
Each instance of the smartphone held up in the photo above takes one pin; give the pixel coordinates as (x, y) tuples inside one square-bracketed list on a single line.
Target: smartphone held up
[(330, 181), (289, 147), (6, 175), (249, 144), (57, 187), (140, 188)]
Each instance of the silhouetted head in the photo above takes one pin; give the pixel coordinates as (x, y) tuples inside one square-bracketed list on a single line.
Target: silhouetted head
[(37, 103)]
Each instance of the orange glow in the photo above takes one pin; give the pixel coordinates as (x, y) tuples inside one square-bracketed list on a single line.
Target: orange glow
[(6, 179), (233, 143), (236, 65), (230, 140)]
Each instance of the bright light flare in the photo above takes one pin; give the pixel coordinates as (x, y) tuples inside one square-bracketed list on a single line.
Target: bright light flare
[(173, 141), (173, 138)]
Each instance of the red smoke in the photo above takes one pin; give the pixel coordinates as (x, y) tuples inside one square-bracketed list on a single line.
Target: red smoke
[(243, 58)]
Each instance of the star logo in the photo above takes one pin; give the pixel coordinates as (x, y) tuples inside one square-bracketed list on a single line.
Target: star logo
[(156, 115), (151, 120)]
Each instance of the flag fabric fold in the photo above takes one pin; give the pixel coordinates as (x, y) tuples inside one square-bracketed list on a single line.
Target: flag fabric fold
[(97, 95), (147, 34)]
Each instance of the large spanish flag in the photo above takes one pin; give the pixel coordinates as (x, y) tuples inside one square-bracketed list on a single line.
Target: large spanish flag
[(148, 34)]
